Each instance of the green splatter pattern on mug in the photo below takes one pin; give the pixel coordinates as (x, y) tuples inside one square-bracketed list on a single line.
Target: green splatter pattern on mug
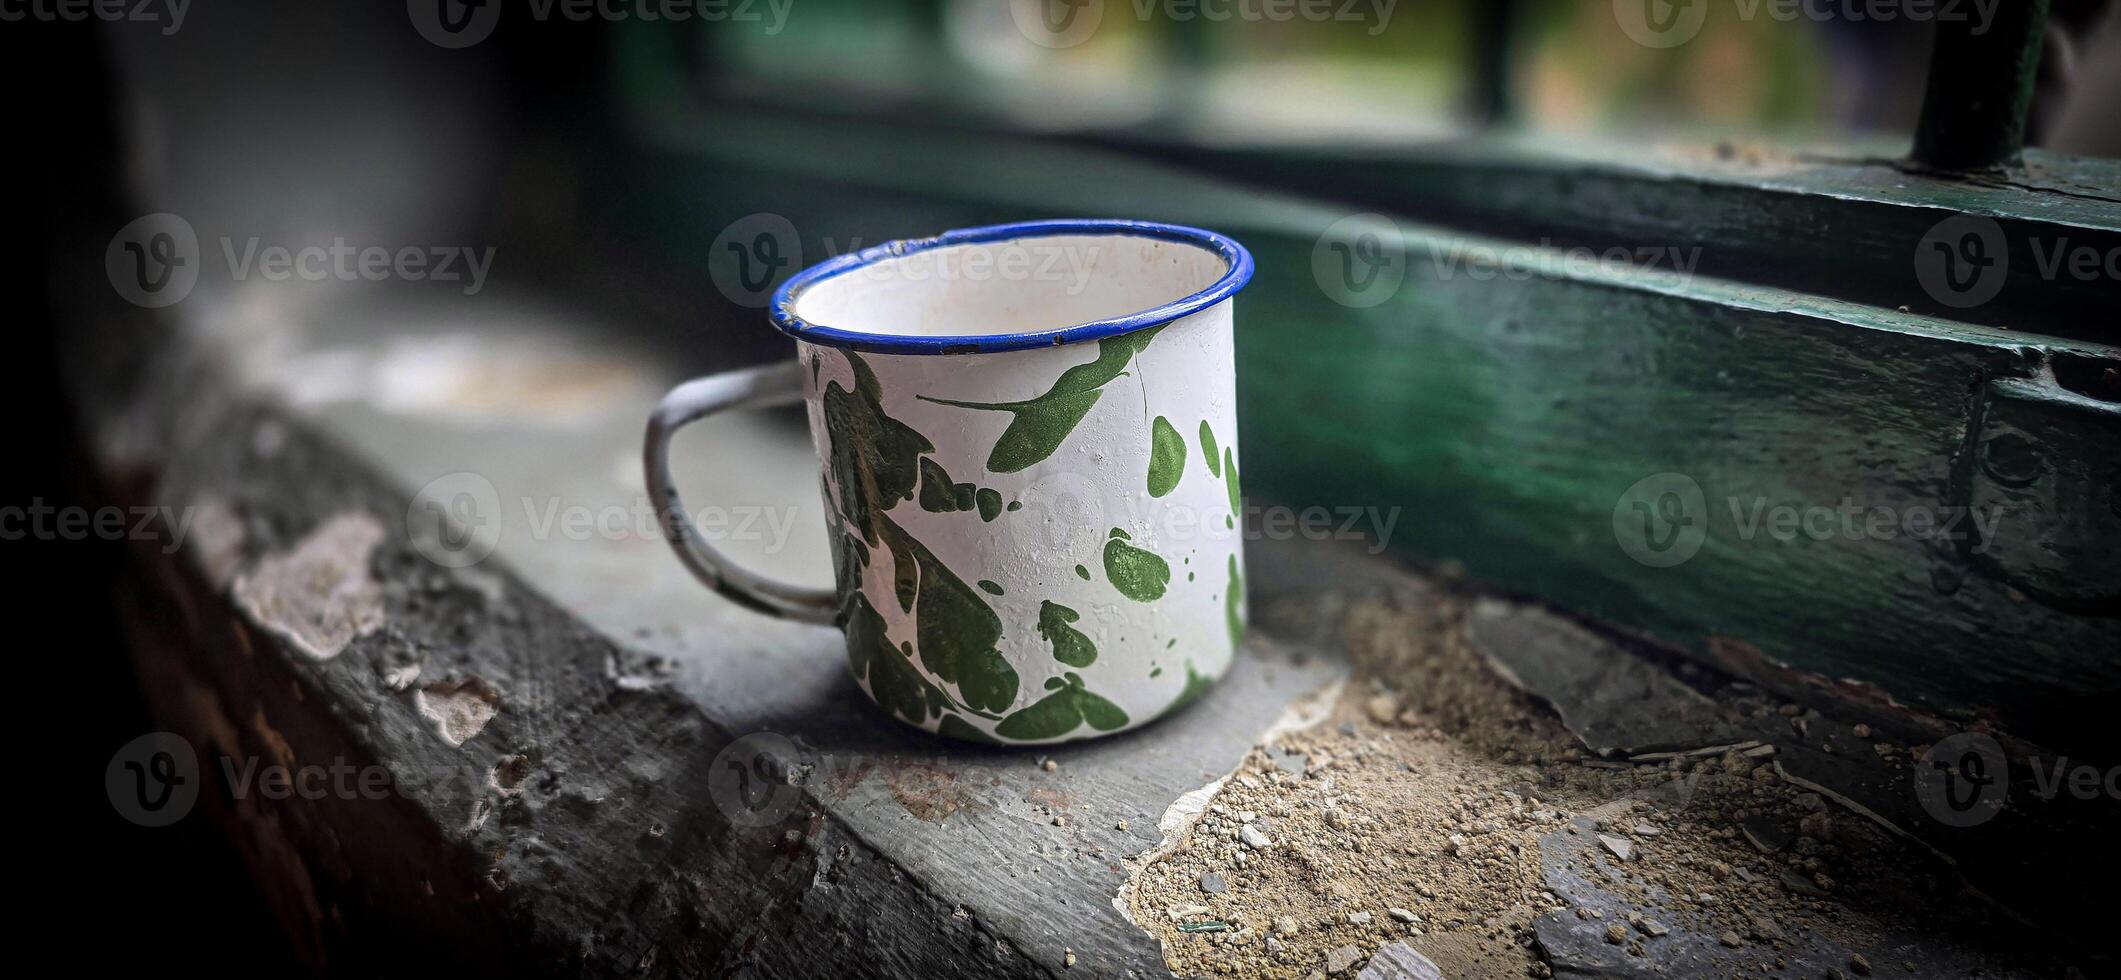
[(1016, 529), (1029, 452)]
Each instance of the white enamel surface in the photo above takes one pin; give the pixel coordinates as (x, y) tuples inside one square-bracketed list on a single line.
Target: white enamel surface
[(1011, 286), (1094, 482)]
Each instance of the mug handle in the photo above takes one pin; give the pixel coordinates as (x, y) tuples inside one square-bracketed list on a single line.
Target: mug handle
[(760, 387)]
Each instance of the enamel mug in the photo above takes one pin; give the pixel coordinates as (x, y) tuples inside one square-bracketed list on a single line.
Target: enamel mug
[(1028, 438)]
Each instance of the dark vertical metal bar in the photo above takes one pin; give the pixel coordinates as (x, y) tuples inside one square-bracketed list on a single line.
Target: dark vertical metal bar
[(931, 24), (1188, 44), (1981, 87), (1183, 91), (1490, 24)]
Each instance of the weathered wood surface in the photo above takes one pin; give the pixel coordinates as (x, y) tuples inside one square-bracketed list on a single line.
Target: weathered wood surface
[(1508, 401), (578, 829)]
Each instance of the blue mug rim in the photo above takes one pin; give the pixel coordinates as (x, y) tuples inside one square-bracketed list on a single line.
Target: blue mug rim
[(1237, 272)]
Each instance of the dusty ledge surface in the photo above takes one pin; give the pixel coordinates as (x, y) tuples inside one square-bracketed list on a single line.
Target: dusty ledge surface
[(554, 713), (563, 712)]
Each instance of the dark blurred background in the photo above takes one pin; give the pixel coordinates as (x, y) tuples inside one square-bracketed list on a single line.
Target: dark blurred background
[(569, 140)]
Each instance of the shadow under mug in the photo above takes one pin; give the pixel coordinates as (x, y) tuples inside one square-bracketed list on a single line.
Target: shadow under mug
[(1028, 436)]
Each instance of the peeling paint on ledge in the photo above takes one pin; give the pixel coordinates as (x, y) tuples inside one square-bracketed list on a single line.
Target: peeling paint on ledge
[(319, 596), (459, 709), (1305, 711)]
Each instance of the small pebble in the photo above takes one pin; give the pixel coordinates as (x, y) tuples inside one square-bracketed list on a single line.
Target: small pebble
[(1817, 825), (1383, 708), (1213, 883), (1800, 885), (1403, 915)]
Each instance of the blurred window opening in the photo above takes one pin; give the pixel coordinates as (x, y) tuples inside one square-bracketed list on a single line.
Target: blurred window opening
[(1355, 71)]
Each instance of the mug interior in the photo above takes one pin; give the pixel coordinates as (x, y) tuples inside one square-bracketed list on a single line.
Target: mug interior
[(1016, 285)]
